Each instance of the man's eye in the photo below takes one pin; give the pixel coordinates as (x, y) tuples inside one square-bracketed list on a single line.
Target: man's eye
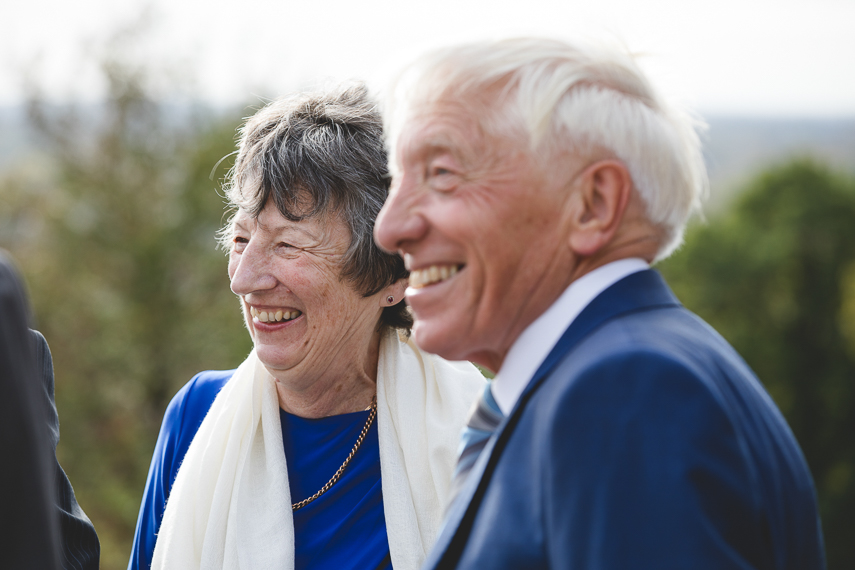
[(442, 179)]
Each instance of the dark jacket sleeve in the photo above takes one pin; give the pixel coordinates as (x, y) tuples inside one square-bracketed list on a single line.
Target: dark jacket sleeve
[(29, 537), (81, 549)]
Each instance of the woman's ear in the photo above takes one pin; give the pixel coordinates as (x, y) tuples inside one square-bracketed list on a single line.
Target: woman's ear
[(604, 189), (394, 293)]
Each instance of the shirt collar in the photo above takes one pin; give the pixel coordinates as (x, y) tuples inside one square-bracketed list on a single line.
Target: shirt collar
[(537, 340)]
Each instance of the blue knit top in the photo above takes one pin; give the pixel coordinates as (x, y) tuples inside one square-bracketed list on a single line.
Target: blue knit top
[(344, 528)]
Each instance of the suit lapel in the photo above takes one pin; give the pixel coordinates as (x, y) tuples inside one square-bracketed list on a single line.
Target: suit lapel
[(639, 291), (636, 292)]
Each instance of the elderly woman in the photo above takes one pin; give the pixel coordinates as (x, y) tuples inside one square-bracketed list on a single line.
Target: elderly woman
[(333, 444)]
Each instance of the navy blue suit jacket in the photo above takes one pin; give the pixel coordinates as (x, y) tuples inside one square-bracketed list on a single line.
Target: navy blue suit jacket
[(643, 441)]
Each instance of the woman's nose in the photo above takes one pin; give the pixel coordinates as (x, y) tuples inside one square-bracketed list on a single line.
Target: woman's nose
[(399, 221), (250, 271)]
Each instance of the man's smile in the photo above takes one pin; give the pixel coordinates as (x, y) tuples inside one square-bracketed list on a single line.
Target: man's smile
[(434, 274)]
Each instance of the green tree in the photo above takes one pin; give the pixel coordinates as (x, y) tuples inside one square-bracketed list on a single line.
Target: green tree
[(113, 226), (775, 275)]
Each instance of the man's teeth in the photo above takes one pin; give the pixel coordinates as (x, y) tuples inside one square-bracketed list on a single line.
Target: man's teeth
[(423, 277), (274, 316)]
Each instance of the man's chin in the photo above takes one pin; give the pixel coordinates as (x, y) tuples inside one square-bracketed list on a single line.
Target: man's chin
[(439, 340)]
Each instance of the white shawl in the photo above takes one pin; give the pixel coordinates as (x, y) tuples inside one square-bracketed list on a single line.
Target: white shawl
[(230, 505)]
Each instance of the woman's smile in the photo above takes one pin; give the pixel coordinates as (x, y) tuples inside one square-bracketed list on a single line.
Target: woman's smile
[(273, 315)]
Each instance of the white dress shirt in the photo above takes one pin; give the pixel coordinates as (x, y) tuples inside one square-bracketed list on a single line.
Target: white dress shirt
[(534, 344)]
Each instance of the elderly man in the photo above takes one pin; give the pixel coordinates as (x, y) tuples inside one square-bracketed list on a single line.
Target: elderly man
[(534, 184)]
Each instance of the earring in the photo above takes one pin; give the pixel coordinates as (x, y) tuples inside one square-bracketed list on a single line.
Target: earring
[(390, 299)]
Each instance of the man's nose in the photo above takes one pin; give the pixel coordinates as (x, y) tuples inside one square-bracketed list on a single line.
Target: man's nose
[(250, 271), (401, 219)]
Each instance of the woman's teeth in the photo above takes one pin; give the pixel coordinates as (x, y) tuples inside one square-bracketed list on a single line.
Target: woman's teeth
[(435, 273), (274, 316)]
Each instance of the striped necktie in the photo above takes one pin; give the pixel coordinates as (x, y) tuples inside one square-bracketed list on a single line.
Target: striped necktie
[(484, 418)]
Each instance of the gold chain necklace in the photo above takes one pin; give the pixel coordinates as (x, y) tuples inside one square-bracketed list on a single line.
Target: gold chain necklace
[(341, 469)]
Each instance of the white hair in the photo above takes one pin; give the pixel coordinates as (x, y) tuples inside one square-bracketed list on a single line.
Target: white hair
[(570, 98)]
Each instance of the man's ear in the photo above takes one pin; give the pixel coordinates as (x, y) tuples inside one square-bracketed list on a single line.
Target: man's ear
[(395, 292), (602, 193)]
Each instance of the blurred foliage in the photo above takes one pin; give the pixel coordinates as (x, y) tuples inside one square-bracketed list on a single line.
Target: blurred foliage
[(113, 226), (775, 275)]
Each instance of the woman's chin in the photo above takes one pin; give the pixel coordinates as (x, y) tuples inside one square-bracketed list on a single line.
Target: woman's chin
[(275, 363)]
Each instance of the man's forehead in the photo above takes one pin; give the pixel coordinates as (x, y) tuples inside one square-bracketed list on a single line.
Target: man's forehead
[(440, 126)]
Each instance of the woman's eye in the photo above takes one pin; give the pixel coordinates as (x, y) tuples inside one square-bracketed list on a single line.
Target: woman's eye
[(239, 243)]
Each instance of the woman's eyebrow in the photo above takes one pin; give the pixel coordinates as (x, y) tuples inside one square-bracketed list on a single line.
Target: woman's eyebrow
[(287, 226)]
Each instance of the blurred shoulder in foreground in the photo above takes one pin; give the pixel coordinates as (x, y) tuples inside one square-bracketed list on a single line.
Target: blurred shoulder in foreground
[(43, 526), (29, 535), (80, 546)]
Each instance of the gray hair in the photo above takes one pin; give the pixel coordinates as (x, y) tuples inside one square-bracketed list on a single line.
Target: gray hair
[(313, 154), (567, 97)]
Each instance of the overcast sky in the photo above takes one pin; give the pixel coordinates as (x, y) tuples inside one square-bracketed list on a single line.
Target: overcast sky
[(767, 57)]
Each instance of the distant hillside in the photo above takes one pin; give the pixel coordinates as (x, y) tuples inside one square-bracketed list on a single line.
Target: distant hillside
[(16, 139), (735, 147)]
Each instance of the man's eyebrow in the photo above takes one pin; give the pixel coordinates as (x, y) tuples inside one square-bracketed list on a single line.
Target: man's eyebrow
[(430, 149), (438, 146), (439, 138)]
